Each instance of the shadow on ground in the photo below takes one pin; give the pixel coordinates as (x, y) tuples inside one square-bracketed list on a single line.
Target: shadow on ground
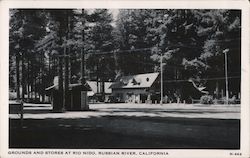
[(125, 132)]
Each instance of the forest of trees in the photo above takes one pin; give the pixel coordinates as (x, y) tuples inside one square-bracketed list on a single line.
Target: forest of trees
[(130, 42)]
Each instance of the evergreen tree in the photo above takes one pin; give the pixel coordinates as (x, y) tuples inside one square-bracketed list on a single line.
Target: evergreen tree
[(131, 35), (26, 28), (101, 40)]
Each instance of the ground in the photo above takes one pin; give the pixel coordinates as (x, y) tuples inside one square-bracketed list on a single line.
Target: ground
[(126, 126)]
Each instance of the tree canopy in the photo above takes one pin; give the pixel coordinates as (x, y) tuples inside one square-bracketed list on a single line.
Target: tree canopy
[(191, 42)]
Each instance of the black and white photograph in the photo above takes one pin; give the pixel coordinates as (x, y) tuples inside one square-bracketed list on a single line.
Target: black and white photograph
[(133, 79)]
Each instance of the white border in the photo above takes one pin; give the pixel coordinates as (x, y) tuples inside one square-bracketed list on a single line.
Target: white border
[(180, 4)]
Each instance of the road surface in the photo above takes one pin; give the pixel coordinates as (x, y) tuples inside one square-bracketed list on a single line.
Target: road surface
[(128, 126)]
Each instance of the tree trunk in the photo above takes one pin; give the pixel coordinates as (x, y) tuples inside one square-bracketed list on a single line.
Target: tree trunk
[(53, 66), (83, 65), (17, 77), (103, 90), (66, 83), (28, 79), (66, 62), (40, 77), (97, 78), (23, 77), (32, 81), (70, 71), (217, 89), (43, 81), (35, 86), (60, 89)]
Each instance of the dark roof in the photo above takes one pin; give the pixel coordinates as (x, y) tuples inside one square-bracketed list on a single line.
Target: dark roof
[(76, 86), (135, 81)]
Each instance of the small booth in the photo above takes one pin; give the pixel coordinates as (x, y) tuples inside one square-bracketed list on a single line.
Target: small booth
[(76, 98)]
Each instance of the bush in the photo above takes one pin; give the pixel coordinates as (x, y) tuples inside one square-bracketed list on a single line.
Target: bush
[(232, 100), (206, 99), (12, 95)]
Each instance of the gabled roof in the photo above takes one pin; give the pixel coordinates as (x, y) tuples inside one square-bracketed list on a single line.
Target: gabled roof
[(135, 81), (93, 86)]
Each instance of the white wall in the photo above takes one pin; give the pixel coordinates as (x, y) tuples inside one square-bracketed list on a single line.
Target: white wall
[(124, 92)]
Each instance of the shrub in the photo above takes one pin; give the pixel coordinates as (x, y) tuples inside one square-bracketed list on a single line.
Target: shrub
[(232, 100), (206, 99), (12, 95)]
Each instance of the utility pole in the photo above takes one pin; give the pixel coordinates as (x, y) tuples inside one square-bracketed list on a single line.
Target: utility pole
[(161, 81), (226, 75)]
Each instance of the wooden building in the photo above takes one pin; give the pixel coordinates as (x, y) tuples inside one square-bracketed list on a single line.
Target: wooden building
[(99, 91), (136, 88)]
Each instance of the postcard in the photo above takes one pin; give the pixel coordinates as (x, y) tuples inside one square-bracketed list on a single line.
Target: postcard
[(132, 79)]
